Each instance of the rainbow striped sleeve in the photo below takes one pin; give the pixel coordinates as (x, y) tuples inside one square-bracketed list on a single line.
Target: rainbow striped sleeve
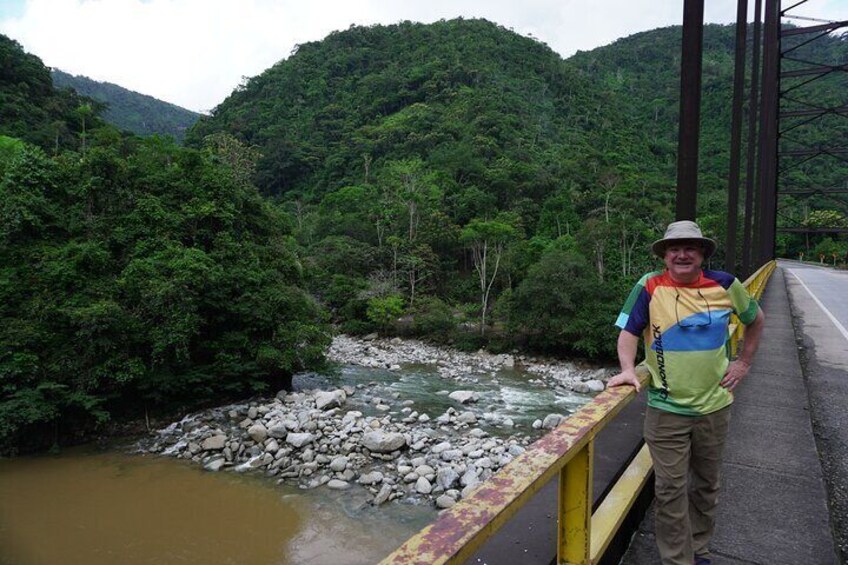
[(634, 314)]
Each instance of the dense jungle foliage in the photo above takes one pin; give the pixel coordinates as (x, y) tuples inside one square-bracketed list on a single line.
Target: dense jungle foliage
[(451, 169), (31, 109), (461, 173), (136, 275), (454, 181), (130, 111)]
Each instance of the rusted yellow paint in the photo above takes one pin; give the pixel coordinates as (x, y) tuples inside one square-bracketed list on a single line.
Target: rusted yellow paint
[(610, 514), (460, 531), (575, 508)]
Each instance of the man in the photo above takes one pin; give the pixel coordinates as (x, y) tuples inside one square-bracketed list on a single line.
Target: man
[(682, 314)]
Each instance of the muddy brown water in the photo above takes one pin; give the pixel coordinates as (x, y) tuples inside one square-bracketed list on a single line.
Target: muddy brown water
[(89, 507)]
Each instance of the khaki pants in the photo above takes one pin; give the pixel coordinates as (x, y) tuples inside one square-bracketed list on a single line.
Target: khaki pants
[(687, 465)]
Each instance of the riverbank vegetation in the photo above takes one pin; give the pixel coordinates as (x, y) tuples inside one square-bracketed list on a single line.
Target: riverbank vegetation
[(454, 181), (137, 274)]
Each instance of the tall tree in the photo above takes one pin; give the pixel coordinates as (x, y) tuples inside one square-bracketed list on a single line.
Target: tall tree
[(486, 240)]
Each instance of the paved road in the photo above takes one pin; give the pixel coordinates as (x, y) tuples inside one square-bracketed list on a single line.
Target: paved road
[(830, 288), (819, 301)]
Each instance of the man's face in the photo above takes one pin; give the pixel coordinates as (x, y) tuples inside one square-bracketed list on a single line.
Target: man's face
[(683, 260)]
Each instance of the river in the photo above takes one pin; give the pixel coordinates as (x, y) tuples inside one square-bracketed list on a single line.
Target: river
[(94, 507)]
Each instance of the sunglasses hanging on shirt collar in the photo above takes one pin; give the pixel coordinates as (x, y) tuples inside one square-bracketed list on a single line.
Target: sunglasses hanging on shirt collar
[(700, 323)]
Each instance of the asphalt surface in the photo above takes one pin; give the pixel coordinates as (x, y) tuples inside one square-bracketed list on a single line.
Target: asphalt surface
[(819, 301), (775, 505)]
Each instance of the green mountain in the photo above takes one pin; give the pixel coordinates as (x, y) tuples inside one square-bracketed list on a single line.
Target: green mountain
[(129, 110), (476, 102), (31, 109), (489, 111)]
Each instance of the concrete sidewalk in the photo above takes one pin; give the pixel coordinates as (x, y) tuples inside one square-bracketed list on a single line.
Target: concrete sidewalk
[(773, 507)]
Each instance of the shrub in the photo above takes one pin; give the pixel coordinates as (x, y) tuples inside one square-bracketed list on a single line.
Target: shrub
[(382, 311), (432, 317)]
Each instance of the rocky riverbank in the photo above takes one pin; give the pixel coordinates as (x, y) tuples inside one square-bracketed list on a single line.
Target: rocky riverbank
[(322, 437), (460, 366)]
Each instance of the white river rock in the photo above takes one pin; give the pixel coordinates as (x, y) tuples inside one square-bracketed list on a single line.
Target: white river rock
[(464, 396), (214, 442), (324, 400), (552, 420), (336, 484), (423, 486), (257, 433), (379, 441), (299, 439)]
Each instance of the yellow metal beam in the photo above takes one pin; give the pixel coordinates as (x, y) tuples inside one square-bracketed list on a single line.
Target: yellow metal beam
[(610, 514), (575, 508)]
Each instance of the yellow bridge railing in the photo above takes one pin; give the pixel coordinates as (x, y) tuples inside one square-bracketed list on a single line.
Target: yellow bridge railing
[(566, 452)]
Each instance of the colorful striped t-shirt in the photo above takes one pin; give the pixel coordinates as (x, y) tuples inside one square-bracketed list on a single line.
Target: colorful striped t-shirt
[(685, 330)]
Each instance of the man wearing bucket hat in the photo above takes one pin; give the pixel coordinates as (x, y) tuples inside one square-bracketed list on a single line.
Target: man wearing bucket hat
[(682, 313)]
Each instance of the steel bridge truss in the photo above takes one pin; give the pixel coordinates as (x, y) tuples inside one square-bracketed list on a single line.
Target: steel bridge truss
[(800, 113), (785, 128)]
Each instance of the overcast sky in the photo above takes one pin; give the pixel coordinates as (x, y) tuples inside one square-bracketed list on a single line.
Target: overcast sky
[(194, 52)]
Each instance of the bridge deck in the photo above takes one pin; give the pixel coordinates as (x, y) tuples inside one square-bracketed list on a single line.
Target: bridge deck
[(773, 506)]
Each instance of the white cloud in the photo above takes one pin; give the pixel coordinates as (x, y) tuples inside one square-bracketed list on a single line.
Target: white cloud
[(194, 52)]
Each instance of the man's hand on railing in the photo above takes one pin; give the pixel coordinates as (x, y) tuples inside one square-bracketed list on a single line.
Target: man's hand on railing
[(627, 377)]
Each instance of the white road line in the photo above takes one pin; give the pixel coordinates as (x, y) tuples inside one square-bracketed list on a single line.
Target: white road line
[(833, 319)]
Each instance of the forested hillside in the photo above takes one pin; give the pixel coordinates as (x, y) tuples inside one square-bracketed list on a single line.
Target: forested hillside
[(128, 110), (456, 169), (460, 172), (31, 109), (135, 275)]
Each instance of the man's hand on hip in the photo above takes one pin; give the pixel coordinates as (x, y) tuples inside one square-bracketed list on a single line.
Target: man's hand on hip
[(736, 371)]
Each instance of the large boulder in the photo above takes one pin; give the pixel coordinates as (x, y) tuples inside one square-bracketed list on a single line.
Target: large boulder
[(464, 396), (552, 420), (383, 495), (214, 442), (445, 501), (257, 433), (379, 441), (336, 484), (467, 417), (215, 464), (423, 486), (339, 464), (447, 478), (326, 399), (299, 440), (371, 478), (595, 385)]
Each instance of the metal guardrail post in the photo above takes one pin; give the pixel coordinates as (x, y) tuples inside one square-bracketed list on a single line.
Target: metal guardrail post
[(575, 508)]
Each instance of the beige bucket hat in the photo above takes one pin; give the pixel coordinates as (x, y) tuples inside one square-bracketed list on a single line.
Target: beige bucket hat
[(678, 232)]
